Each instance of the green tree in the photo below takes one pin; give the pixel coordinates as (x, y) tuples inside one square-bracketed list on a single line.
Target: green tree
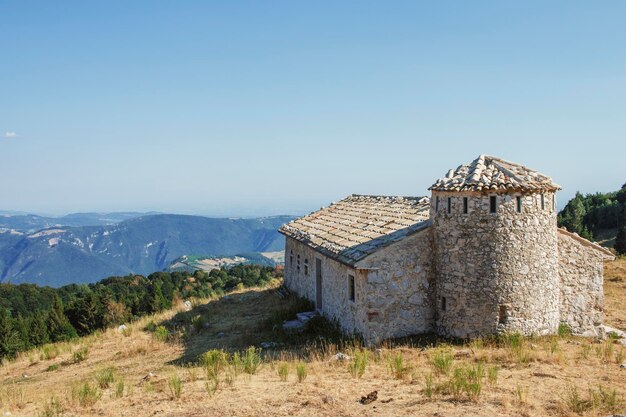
[(573, 217), (37, 330), (86, 314), (10, 342), (59, 327), (620, 241)]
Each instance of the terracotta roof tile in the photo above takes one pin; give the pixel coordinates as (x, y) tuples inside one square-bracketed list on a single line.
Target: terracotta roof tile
[(491, 174), (353, 228)]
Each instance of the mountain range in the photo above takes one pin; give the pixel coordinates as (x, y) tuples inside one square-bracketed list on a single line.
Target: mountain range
[(60, 254)]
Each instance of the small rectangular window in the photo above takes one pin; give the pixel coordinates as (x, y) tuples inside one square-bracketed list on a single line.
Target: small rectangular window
[(449, 205), (351, 289), (464, 205), (306, 266), (519, 204), (443, 304), (437, 203), (543, 202), (503, 315), (493, 206)]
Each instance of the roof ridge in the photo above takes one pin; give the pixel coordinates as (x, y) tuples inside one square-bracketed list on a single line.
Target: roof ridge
[(388, 196)]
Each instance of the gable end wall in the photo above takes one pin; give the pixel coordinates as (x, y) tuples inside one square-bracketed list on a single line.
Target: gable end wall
[(336, 305), (582, 294)]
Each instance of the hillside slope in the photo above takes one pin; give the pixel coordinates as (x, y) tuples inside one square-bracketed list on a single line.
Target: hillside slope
[(141, 245), (136, 373)]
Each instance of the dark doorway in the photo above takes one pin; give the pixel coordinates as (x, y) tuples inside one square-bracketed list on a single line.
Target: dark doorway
[(318, 284)]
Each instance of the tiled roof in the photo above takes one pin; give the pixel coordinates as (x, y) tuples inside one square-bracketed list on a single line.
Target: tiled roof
[(490, 174), (351, 229)]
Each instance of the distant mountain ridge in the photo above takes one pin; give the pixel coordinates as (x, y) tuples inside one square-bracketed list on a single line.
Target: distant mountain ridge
[(28, 223), (61, 255)]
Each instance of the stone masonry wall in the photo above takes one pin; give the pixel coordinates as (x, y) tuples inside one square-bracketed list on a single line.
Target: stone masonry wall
[(497, 272), (399, 288), (582, 294), (336, 305)]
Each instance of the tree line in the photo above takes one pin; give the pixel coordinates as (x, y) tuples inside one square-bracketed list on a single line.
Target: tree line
[(591, 214), (32, 316)]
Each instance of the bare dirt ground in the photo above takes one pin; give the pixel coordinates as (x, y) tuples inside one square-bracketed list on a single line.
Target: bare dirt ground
[(550, 376)]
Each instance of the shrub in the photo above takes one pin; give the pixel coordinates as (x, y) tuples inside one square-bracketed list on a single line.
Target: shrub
[(105, 377), (52, 409), (575, 402), (49, 352), (442, 359), (606, 399), (564, 330), (80, 355), (283, 371), (428, 386), (492, 375), (358, 364), (176, 386), (86, 395), (301, 371), (119, 389), (198, 323), (397, 366), (53, 367), (467, 380), (161, 334), (214, 362), (251, 360), (150, 326), (236, 363)]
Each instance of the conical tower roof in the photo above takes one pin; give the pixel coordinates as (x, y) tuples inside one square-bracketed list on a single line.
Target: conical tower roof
[(491, 174)]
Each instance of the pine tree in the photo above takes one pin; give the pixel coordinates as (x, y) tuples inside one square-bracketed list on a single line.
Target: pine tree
[(86, 314), (38, 331), (59, 327), (9, 337)]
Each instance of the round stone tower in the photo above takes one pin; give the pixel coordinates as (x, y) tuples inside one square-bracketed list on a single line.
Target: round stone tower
[(495, 243)]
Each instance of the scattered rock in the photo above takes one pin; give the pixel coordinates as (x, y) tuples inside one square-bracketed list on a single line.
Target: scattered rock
[(369, 398), (327, 399), (122, 327), (341, 357), (148, 377), (388, 400), (306, 316), (187, 305), (268, 345), (623, 365), (220, 334), (293, 326)]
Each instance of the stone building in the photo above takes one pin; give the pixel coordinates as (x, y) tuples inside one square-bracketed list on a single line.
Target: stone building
[(482, 255)]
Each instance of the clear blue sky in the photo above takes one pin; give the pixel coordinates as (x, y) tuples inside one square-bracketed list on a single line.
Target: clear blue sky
[(244, 108)]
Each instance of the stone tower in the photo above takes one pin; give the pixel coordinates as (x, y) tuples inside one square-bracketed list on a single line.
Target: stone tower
[(495, 249)]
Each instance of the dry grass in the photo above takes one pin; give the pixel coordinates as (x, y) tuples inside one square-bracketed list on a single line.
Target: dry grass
[(548, 376), (615, 293)]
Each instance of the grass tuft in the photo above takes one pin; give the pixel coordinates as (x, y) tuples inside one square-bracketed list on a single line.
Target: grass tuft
[(301, 371), (358, 364)]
